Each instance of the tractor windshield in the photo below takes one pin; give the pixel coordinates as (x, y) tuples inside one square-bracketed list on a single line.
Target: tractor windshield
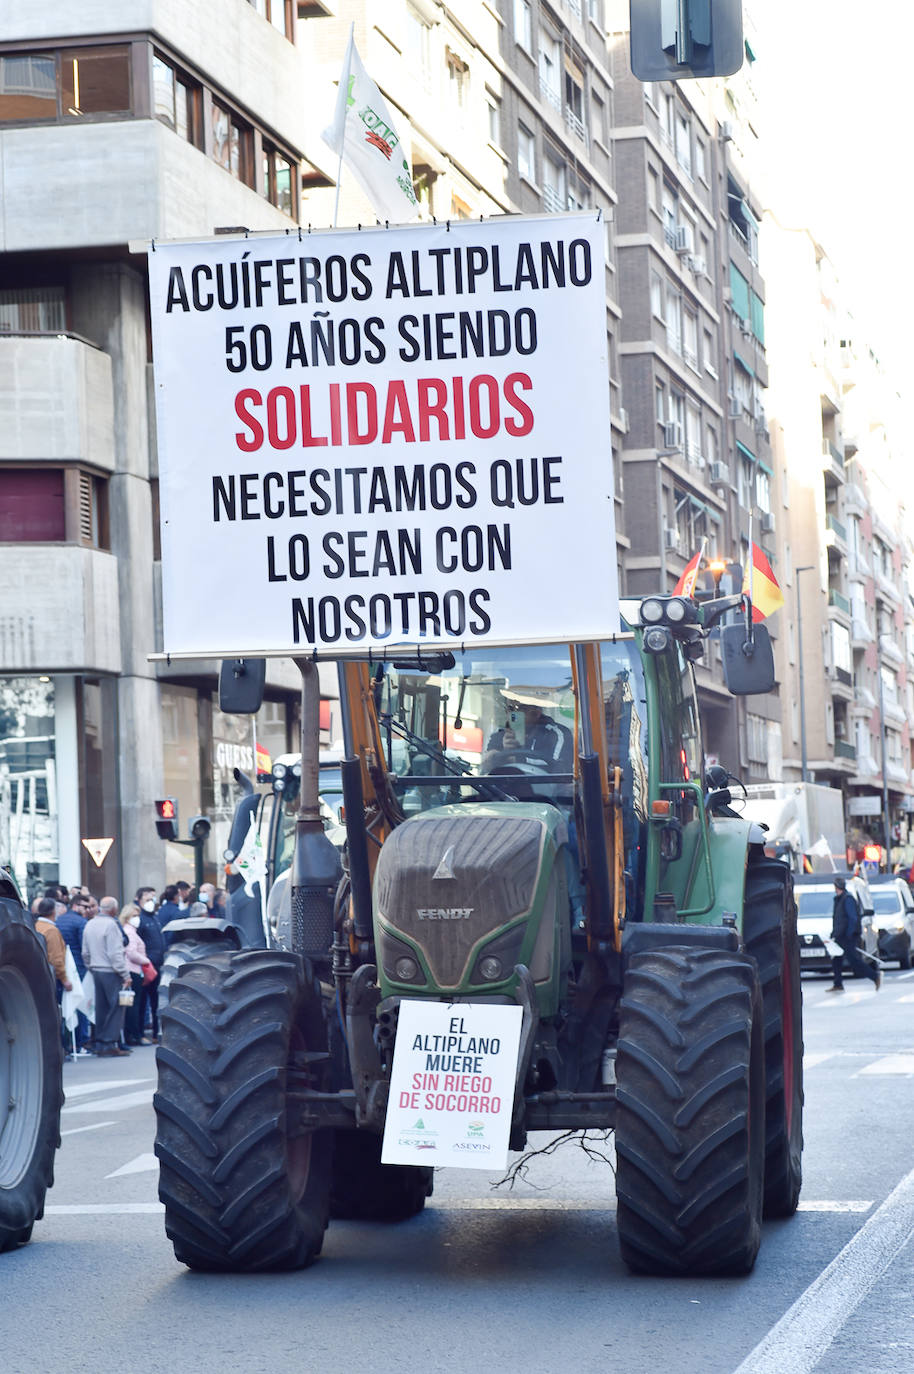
[(500, 712)]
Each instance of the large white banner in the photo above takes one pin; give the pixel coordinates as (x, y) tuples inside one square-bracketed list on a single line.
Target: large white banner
[(393, 436)]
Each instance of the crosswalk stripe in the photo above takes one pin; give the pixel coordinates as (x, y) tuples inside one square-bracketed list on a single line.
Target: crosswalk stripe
[(114, 1104), (141, 1165), (96, 1126), (811, 1060), (84, 1089), (888, 1064)]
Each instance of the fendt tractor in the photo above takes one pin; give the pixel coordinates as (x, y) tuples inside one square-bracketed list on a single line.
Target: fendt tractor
[(527, 827), (31, 1069)]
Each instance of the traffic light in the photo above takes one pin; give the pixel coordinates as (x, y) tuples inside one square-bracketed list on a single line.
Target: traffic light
[(167, 818), (199, 828), (674, 39)]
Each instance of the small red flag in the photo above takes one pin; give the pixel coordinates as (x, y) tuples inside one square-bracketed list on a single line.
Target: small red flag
[(686, 584)]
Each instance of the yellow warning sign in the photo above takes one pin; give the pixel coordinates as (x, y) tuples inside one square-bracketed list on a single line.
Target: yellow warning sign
[(98, 849)]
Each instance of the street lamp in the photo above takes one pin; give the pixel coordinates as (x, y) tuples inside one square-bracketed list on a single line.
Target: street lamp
[(804, 771)]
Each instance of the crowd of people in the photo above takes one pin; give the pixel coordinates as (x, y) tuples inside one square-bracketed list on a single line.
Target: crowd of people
[(123, 947)]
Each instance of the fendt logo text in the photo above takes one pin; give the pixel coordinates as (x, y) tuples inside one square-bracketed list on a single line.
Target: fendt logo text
[(444, 913)]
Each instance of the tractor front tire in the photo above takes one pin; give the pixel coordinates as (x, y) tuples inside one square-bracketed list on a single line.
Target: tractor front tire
[(770, 936), (31, 1072), (690, 1095), (364, 1189), (245, 1188), (188, 952)]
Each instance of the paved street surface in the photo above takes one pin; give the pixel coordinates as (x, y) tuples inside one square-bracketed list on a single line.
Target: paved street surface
[(487, 1279)]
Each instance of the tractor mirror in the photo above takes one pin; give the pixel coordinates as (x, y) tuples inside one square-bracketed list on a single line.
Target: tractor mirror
[(748, 664), (241, 684)]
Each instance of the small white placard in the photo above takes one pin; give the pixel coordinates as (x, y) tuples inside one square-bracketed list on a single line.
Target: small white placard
[(452, 1085)]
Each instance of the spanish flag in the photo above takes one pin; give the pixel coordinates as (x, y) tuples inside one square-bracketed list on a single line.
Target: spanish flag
[(761, 585), (686, 584)]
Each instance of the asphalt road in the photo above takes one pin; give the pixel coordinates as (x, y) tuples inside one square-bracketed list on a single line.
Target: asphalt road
[(485, 1278)]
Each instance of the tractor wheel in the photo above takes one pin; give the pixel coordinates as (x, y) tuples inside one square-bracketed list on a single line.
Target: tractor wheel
[(690, 1121), (31, 1072), (364, 1189), (770, 936), (244, 1188), (187, 952)]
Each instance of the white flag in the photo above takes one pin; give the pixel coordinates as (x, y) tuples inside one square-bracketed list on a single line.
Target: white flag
[(251, 861), (363, 135), (71, 1002)]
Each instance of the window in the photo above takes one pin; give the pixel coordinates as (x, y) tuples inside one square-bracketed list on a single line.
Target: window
[(756, 738), (279, 180), (67, 84), (693, 435), (744, 481), (279, 13), (549, 68), (176, 100), (739, 293), (53, 505), (494, 112), (684, 144), (762, 489), (574, 96), (233, 144), (660, 402), (33, 310), (657, 295), (598, 105), (458, 73), (757, 316), (709, 354), (555, 184), (31, 505), (711, 449), (742, 387), (418, 46), (526, 154), (523, 24), (690, 338), (700, 162), (842, 658), (28, 86), (673, 318), (667, 119)]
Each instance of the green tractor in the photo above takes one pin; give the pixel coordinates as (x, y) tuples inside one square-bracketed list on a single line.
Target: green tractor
[(530, 827)]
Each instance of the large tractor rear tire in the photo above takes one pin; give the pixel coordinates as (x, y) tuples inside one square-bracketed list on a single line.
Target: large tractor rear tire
[(244, 1188), (770, 936), (188, 952), (31, 1072), (690, 1113), (364, 1189)]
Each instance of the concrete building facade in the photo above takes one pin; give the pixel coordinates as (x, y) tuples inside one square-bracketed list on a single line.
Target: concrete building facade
[(147, 119)]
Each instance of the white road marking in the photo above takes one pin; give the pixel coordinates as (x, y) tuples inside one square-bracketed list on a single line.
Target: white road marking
[(107, 1209), (811, 1060), (114, 1104), (797, 1343), (902, 976), (908, 998), (838, 1000), (141, 1165), (96, 1126), (834, 1206), (888, 1064), (83, 1089)]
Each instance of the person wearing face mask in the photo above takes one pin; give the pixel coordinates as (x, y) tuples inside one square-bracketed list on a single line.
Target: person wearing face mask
[(137, 959), (150, 930)]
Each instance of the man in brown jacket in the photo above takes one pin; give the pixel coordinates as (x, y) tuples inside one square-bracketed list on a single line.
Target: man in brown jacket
[(54, 943)]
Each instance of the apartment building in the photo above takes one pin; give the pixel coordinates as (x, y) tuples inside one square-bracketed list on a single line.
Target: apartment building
[(845, 661), (120, 123), (503, 108)]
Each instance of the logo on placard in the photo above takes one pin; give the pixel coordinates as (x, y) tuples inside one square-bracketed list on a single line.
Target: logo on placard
[(475, 1130), (419, 1137), (473, 1147)]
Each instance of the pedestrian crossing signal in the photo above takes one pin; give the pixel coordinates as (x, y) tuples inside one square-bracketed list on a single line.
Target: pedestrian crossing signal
[(167, 818)]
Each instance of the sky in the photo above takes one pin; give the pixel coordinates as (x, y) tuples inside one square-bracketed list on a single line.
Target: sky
[(837, 124)]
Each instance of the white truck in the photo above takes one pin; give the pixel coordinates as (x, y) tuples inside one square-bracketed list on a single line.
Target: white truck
[(803, 818)]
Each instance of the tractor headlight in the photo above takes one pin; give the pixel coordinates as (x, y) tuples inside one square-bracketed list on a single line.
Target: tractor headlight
[(676, 611), (651, 611), (406, 969), (490, 968), (657, 639)]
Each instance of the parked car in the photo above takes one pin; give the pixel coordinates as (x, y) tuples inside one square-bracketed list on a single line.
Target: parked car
[(893, 918), (815, 894)]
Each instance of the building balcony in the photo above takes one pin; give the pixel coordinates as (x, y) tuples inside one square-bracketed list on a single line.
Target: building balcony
[(60, 609), (56, 401), (855, 502), (890, 650), (861, 633), (843, 750), (837, 601), (835, 532), (832, 464), (895, 713)]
